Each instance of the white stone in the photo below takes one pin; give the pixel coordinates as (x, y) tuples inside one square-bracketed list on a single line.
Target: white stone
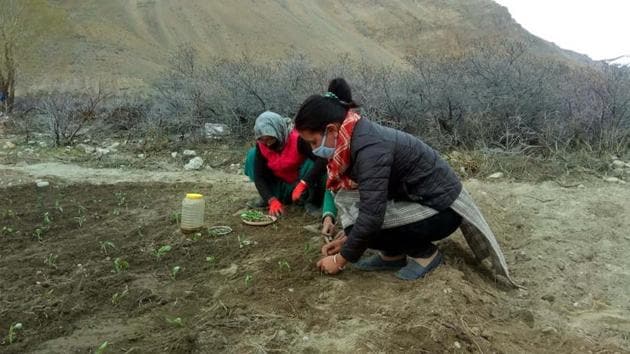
[(215, 130), (229, 271), (41, 183), (457, 345), (140, 156), (614, 180), (174, 154), (102, 152), (194, 164), (43, 144), (190, 153), (618, 172), (496, 175), (9, 145), (113, 146), (618, 164), (88, 149)]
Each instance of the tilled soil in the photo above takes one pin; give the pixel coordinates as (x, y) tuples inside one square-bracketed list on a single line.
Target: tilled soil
[(257, 290)]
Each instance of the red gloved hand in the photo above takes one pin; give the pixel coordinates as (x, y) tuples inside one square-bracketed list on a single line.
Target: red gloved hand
[(275, 207), (299, 190)]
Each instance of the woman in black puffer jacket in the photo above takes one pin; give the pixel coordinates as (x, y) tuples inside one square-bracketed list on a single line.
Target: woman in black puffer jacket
[(405, 189)]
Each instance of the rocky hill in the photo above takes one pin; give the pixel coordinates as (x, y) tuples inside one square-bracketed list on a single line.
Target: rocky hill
[(126, 43)]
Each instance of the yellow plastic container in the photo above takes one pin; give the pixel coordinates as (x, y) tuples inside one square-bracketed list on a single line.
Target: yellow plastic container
[(193, 207)]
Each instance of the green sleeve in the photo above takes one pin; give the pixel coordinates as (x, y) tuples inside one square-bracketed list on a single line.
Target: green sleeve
[(329, 208)]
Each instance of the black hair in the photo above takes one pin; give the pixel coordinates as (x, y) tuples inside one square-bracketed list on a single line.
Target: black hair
[(317, 111)]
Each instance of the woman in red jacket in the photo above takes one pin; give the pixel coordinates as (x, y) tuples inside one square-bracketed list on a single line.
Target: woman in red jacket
[(283, 166)]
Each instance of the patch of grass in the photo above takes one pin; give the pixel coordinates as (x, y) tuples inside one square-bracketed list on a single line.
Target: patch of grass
[(528, 167)]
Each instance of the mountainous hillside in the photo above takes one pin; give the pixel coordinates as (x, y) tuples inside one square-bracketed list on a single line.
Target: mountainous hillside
[(623, 60), (126, 43)]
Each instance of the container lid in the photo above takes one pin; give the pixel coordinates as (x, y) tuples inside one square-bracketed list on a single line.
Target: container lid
[(194, 196)]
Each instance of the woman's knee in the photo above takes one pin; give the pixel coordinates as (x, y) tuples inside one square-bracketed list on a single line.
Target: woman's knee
[(250, 162)]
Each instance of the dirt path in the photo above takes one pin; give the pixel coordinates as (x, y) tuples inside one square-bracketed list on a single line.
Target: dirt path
[(78, 174), (570, 247)]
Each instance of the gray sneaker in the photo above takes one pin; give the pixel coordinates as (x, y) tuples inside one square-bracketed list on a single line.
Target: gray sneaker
[(257, 203), (313, 210)]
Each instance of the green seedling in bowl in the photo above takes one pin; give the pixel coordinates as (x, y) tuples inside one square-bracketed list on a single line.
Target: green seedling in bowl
[(254, 216)]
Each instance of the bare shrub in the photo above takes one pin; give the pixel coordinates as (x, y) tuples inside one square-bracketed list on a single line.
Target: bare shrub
[(67, 116)]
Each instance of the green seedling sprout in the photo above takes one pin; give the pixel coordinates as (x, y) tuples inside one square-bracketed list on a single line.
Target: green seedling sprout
[(107, 245), (6, 230), (196, 236), (120, 265), (101, 348), (174, 271), (248, 280), (177, 321), (12, 336), (80, 220), (210, 260), (117, 297), (121, 197), (47, 219), (162, 251), (242, 242), (284, 265), (51, 260), (175, 217), (9, 213), (38, 233), (58, 206)]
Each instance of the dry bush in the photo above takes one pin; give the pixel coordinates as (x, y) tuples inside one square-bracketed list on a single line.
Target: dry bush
[(68, 116), (499, 97)]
